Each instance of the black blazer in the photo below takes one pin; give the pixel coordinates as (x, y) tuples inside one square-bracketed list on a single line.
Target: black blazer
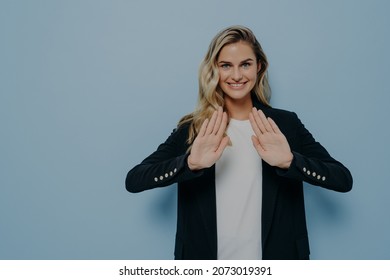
[(284, 233)]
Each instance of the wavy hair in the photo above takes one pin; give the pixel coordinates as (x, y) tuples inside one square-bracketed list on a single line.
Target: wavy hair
[(210, 94)]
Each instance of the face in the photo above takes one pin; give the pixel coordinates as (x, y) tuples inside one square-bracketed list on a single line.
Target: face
[(238, 70)]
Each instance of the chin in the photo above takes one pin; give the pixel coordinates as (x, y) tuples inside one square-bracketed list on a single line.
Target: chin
[(237, 95)]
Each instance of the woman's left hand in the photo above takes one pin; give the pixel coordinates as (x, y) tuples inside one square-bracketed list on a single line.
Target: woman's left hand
[(269, 141)]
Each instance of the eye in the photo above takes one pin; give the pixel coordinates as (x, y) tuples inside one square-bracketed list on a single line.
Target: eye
[(225, 66), (246, 65)]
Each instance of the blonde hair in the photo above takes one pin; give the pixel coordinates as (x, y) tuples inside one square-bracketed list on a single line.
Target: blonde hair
[(210, 94)]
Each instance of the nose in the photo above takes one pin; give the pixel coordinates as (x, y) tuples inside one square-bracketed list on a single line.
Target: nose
[(236, 75)]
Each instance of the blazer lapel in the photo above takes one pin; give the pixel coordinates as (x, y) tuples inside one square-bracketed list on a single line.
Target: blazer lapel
[(270, 191), (270, 187), (208, 208)]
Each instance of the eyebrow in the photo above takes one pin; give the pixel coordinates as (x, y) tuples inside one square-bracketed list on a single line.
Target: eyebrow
[(244, 61)]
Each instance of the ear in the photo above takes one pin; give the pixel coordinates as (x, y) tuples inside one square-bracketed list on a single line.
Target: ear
[(258, 66)]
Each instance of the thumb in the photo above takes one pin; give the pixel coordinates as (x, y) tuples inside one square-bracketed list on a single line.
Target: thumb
[(224, 142), (255, 141), (256, 144)]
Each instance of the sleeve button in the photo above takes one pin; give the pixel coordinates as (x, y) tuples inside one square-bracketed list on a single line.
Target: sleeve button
[(308, 172), (323, 178), (155, 179), (161, 178)]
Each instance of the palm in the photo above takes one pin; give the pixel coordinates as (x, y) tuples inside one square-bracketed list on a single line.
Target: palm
[(270, 143), (210, 142)]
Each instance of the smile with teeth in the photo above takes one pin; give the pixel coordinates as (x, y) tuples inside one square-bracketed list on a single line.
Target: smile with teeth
[(236, 85)]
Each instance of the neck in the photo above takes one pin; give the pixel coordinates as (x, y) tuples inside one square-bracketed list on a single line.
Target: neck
[(239, 109)]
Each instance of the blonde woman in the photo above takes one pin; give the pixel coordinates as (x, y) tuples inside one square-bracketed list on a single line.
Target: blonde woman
[(239, 163)]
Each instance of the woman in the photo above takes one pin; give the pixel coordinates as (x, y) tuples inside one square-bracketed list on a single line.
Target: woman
[(239, 164)]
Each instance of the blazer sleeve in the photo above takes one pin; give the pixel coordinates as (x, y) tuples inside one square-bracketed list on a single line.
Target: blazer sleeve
[(164, 167), (313, 164)]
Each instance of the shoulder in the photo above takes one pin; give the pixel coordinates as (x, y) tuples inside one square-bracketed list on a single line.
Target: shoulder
[(279, 112), (287, 121), (182, 128), (179, 134), (281, 116), (275, 113)]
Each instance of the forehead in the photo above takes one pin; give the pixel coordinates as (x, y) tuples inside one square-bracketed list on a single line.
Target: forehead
[(236, 52)]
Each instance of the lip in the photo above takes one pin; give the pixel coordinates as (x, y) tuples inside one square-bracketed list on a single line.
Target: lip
[(236, 86)]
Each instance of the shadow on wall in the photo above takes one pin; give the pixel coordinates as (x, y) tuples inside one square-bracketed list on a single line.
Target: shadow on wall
[(326, 209), (164, 205)]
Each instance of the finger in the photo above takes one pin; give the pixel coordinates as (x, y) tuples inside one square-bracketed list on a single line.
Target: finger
[(222, 127), (258, 120), (202, 130), (254, 125), (265, 121), (274, 126), (224, 142), (257, 144), (218, 121), (211, 124)]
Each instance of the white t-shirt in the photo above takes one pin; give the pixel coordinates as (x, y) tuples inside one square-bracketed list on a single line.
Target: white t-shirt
[(238, 175)]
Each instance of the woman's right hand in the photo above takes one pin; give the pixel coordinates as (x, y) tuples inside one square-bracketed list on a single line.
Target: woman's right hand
[(210, 143)]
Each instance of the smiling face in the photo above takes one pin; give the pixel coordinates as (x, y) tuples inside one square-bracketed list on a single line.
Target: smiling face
[(238, 68)]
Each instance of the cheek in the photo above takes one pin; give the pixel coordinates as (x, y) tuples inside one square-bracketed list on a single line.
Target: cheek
[(254, 75), (221, 81), (221, 77)]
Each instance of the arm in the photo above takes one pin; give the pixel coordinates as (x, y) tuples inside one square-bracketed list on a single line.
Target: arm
[(163, 167), (313, 164), (306, 161), (167, 165)]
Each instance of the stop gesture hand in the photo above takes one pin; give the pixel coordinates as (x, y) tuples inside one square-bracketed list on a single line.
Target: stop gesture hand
[(210, 142), (269, 141)]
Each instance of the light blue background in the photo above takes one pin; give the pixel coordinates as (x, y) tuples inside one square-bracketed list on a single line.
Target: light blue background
[(90, 88)]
